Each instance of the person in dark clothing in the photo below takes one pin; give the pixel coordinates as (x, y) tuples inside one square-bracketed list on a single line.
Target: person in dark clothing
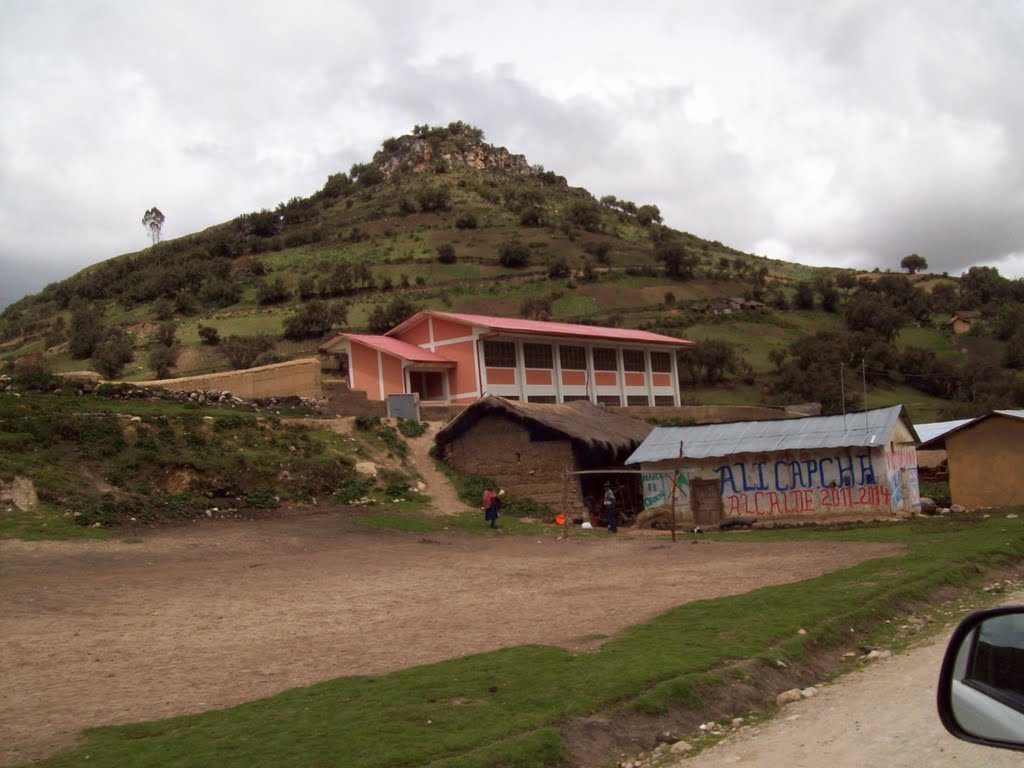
[(610, 511), (490, 506)]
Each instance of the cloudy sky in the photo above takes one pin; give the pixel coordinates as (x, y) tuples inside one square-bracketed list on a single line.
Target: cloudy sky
[(848, 133)]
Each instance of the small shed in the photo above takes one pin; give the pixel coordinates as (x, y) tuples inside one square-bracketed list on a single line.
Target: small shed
[(527, 447), (962, 321), (852, 466), (985, 457)]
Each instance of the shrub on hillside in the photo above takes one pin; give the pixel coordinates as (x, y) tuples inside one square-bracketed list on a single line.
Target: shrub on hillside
[(209, 335), (466, 221), (513, 254), (446, 253), (313, 320), (272, 292), (245, 351)]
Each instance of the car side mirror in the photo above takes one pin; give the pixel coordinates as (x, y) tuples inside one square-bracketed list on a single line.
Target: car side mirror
[(981, 685)]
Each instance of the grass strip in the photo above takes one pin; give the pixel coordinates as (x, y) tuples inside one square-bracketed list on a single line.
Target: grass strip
[(504, 708)]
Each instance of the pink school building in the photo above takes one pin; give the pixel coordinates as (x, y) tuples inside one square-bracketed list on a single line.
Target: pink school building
[(450, 357)]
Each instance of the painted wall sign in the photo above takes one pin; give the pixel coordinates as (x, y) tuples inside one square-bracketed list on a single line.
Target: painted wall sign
[(819, 484), (658, 490)]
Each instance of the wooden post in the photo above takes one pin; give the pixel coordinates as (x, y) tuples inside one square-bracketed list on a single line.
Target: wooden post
[(675, 485), (566, 476)]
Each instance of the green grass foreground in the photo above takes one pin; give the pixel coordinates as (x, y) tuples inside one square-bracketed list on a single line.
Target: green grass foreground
[(505, 708)]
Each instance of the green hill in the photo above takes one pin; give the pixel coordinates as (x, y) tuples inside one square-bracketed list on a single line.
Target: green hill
[(441, 219)]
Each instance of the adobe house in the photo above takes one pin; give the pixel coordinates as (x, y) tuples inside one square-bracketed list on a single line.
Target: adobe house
[(526, 448), (857, 466), (962, 321), (451, 357), (985, 457)]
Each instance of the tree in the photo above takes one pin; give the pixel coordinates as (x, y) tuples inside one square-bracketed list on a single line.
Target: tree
[(914, 263), (585, 214), (245, 351), (648, 214), (873, 312), (804, 297), (272, 292), (86, 330), (559, 267), (312, 321), (383, 319), (153, 221), (679, 264), (113, 353), (162, 359), (165, 334), (710, 362)]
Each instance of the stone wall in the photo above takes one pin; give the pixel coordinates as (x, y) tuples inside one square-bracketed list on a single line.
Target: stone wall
[(298, 378), (500, 449), (342, 401)]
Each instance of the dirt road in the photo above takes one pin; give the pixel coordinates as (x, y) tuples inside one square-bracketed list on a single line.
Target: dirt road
[(217, 613), (881, 717)]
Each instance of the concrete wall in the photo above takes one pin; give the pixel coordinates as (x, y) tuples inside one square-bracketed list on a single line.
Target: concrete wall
[(300, 378), (985, 463), (500, 449)]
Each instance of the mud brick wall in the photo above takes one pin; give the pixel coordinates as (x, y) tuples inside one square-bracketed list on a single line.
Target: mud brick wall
[(299, 378), (501, 449)]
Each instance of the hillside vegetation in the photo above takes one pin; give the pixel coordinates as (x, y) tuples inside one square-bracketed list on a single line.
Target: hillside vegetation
[(440, 219)]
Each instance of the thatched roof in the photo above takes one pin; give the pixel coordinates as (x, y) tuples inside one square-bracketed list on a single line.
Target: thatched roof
[(587, 425)]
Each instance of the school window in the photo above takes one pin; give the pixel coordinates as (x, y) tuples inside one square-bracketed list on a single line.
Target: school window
[(633, 360), (573, 358), (538, 356), (664, 400), (605, 359), (574, 398), (500, 354), (661, 362), (546, 399), (637, 400), (609, 400)]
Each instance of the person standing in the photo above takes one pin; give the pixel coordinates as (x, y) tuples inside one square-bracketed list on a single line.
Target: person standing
[(490, 506), (610, 512)]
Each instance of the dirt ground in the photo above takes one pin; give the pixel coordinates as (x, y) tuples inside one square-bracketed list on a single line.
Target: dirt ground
[(221, 612), (883, 715)]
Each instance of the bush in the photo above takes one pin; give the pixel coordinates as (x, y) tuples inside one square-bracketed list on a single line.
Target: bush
[(263, 499), (513, 254), (559, 267), (352, 488), (411, 428), (446, 253), (209, 335), (367, 423), (466, 221), (162, 359), (274, 292)]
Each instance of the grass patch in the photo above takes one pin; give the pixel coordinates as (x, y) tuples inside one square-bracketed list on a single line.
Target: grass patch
[(505, 708)]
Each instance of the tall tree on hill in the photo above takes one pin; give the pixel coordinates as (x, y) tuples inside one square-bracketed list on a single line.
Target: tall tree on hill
[(153, 221), (914, 263)]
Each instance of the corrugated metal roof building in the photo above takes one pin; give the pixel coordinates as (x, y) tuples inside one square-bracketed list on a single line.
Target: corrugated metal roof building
[(985, 457), (852, 466)]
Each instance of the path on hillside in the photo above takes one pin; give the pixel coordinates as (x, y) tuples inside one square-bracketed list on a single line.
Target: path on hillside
[(883, 716), (443, 498)]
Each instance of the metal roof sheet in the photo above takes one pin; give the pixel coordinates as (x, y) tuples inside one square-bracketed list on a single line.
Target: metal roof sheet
[(867, 429), (549, 328), (939, 440), (936, 428)]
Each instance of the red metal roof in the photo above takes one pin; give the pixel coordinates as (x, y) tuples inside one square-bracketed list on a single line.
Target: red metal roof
[(546, 328), (399, 348)]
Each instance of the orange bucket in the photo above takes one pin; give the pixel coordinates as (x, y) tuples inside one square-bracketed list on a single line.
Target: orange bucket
[(559, 519)]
